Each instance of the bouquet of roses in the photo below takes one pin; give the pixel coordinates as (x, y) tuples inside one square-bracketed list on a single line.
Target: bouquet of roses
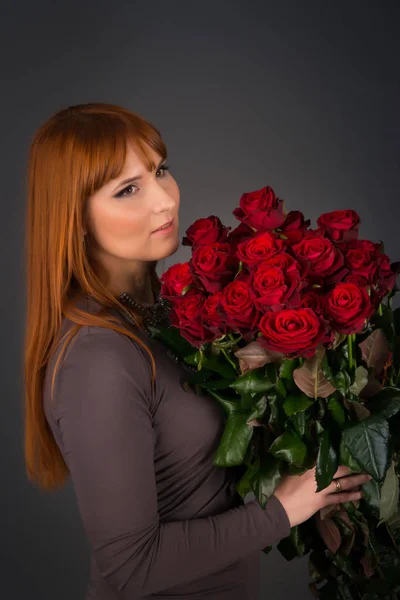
[(292, 331)]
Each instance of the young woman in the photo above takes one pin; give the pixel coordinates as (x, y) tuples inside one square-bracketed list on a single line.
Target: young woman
[(103, 399)]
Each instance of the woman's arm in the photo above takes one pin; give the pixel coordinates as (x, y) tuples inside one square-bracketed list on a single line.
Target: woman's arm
[(102, 406)]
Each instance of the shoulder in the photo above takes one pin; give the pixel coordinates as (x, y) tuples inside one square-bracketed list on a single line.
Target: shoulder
[(96, 341), (102, 362)]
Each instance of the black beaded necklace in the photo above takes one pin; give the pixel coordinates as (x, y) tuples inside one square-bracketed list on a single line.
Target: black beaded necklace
[(156, 314), (153, 314)]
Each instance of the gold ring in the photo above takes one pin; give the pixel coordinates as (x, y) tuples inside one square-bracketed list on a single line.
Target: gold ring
[(338, 486)]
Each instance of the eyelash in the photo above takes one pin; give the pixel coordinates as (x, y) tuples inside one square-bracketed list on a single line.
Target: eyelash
[(122, 192)]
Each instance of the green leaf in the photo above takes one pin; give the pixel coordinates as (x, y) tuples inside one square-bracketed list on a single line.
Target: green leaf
[(287, 367), (389, 494), (267, 478), (371, 490), (296, 403), (293, 545), (342, 381), (171, 337), (280, 388), (258, 409), (234, 441), (326, 368), (230, 406), (252, 381), (277, 418), (346, 458), (385, 403), (299, 420), (220, 366), (368, 442), (336, 409), (219, 384), (327, 461), (245, 483), (290, 448)]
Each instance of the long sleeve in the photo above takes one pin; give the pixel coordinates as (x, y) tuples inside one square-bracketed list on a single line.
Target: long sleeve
[(103, 410)]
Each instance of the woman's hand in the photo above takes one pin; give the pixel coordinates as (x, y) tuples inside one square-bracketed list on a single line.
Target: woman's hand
[(300, 500)]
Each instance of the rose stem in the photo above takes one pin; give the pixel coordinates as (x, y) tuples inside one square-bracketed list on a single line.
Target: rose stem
[(350, 346)]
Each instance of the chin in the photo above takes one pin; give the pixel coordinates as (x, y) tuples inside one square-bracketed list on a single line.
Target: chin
[(172, 248)]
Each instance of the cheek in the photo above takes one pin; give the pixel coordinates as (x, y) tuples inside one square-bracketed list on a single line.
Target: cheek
[(118, 225)]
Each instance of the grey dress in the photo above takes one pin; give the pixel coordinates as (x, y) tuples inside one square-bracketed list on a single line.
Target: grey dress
[(162, 521)]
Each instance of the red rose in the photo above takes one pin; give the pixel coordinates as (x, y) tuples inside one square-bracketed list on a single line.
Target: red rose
[(358, 280), (274, 287), (294, 332), (347, 308), (385, 278), (205, 231), (213, 266), (315, 301), (260, 209), (294, 226), (259, 248), (175, 279), (213, 314), (238, 305), (361, 258), (339, 225), (286, 262), (323, 258), (241, 233), (185, 315)]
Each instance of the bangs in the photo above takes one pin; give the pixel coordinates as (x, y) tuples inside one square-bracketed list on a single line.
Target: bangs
[(106, 139)]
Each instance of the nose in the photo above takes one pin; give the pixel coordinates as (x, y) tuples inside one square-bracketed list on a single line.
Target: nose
[(162, 199)]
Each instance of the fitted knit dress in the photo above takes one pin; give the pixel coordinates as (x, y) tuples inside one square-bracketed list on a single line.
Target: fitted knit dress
[(162, 521)]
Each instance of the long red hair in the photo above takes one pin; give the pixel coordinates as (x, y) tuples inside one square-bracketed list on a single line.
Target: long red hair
[(72, 155)]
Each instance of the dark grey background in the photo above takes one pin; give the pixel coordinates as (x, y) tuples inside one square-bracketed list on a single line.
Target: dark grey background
[(302, 96)]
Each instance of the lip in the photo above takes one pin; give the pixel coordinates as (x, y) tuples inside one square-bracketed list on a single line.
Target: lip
[(171, 222)]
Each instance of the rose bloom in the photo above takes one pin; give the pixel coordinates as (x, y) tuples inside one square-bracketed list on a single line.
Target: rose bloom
[(238, 305), (293, 332), (322, 256), (213, 314), (175, 279), (205, 231), (214, 266), (294, 226), (385, 278), (260, 209), (347, 308), (361, 257), (259, 249), (339, 225), (274, 287), (356, 279), (185, 315), (241, 233), (315, 301)]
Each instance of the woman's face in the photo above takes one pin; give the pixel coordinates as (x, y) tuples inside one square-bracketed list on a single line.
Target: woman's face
[(122, 217)]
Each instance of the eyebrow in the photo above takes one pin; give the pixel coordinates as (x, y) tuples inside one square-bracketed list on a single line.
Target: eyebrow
[(136, 177)]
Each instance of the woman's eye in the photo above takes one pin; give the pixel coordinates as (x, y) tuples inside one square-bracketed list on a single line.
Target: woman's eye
[(125, 190), (164, 168)]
